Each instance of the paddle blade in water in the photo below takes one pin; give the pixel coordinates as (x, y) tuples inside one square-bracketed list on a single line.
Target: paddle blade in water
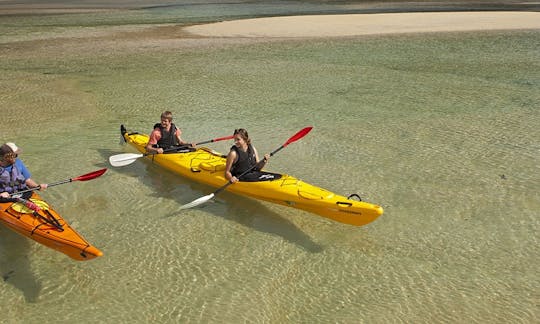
[(197, 202), (123, 159)]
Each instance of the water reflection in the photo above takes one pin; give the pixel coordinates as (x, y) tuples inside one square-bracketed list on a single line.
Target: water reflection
[(15, 265), (242, 210), (254, 214)]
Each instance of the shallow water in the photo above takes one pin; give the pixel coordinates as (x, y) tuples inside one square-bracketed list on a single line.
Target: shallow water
[(441, 130)]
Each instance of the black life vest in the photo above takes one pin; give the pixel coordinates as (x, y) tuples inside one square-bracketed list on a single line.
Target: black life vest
[(168, 138), (245, 160)]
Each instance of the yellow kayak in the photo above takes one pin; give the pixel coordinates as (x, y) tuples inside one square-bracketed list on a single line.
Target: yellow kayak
[(207, 166)]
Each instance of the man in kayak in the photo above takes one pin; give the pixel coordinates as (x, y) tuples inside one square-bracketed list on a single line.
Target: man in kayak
[(165, 135), (14, 176), (243, 162)]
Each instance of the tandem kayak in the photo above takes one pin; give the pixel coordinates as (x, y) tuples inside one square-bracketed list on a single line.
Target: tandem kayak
[(35, 219), (206, 166)]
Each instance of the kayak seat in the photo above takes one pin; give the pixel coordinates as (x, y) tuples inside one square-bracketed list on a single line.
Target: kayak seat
[(212, 167)]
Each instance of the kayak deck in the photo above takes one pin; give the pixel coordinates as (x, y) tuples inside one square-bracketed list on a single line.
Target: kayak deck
[(207, 166), (47, 227)]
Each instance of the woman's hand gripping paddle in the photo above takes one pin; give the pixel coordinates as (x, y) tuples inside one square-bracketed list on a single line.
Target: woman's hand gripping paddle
[(128, 158), (204, 199)]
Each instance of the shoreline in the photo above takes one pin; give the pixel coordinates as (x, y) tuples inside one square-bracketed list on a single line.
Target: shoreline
[(347, 25), (32, 7)]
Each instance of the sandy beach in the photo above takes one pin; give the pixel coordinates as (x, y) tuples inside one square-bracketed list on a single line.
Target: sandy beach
[(368, 24)]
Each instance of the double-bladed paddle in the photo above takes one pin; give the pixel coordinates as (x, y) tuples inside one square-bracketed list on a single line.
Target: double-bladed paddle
[(84, 177), (128, 158), (206, 198)]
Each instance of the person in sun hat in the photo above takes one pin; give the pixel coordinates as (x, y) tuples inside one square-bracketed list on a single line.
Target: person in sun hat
[(14, 176)]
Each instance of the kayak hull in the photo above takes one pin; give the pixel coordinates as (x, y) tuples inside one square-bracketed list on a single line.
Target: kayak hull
[(46, 227), (208, 167)]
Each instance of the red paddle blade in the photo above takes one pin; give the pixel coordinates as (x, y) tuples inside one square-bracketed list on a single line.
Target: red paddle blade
[(298, 135), (90, 176), (223, 138)]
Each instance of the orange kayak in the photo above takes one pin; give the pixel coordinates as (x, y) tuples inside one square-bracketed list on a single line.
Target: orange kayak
[(44, 225)]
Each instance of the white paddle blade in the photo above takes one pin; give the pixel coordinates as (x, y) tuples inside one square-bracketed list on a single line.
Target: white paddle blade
[(197, 202), (123, 159)]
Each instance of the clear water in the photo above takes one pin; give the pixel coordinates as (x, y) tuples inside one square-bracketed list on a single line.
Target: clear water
[(441, 130)]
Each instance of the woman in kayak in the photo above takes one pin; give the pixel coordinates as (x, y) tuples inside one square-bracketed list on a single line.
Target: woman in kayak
[(14, 176), (165, 135), (243, 158)]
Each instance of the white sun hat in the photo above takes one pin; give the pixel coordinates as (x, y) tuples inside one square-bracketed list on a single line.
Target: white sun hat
[(14, 148)]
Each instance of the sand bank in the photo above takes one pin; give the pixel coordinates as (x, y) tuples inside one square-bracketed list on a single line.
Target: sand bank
[(368, 24)]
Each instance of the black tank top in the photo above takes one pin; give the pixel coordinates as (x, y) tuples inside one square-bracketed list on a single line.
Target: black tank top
[(245, 161)]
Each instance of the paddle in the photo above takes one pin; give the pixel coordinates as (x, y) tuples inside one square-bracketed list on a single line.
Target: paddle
[(33, 206), (204, 199), (128, 158), (84, 177)]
